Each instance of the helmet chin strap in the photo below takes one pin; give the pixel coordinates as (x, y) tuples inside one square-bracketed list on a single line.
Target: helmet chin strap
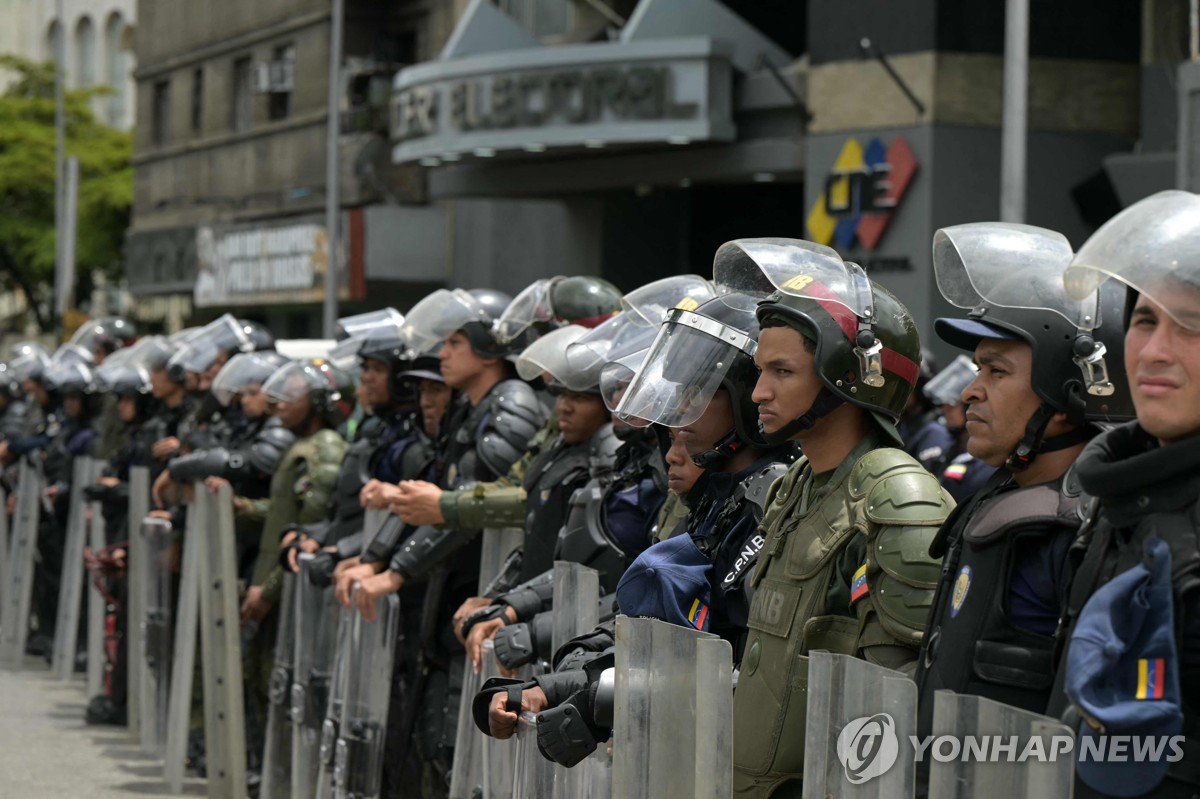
[(1034, 441), (825, 403), (718, 457)]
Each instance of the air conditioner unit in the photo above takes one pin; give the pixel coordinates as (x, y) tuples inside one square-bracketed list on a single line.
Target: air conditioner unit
[(274, 77)]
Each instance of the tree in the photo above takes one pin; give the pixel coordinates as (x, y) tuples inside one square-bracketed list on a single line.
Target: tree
[(27, 234)]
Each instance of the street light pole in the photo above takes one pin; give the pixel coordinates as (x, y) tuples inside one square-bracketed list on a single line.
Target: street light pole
[(1014, 123), (332, 170)]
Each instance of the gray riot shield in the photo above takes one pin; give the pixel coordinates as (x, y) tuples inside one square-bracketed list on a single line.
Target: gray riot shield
[(337, 700), (4, 548), (151, 644), (277, 750), (373, 519), (316, 633), (532, 773), (576, 611), (987, 749), (14, 620), (135, 611), (466, 780), (98, 664), (224, 708), (857, 737), (183, 656), (672, 705), (70, 591), (358, 753), (497, 758)]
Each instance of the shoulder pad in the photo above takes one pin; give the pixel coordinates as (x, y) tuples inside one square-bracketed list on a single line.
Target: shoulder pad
[(269, 446), (1047, 504), (604, 445), (897, 489), (515, 415), (329, 447), (758, 485)]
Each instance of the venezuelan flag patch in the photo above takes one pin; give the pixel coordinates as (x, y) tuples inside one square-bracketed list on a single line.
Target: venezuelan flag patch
[(956, 471), (858, 586), (1150, 679), (698, 615)]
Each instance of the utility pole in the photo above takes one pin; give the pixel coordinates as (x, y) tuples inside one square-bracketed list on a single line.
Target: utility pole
[(1014, 131), (60, 148), (332, 170)]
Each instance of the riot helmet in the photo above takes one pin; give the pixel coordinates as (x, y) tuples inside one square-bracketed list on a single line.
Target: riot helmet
[(648, 304), (10, 386), (109, 333), (242, 370), (1153, 247), (329, 390), (947, 386), (552, 302), (353, 331), (388, 347), (867, 350), (444, 311), (29, 361), (695, 353), (548, 355), (1010, 278), (68, 376), (261, 339), (150, 353), (224, 335)]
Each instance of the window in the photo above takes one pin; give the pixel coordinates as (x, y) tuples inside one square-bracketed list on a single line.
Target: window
[(85, 53), (243, 107), (118, 59), (280, 78), (198, 100), (160, 130)]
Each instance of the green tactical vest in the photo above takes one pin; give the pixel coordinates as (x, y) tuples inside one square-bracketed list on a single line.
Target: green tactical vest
[(879, 510)]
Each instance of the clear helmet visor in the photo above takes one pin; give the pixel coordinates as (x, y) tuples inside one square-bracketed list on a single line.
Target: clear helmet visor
[(294, 381), (68, 376), (530, 307), (759, 267), (611, 340), (1153, 246), (385, 319), (121, 378), (946, 387), (1008, 265), (243, 370), (148, 353), (73, 354), (685, 366), (549, 355), (437, 316), (29, 365), (615, 378), (649, 304)]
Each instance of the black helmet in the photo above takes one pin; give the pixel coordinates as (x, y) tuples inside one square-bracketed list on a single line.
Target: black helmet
[(259, 338), (389, 348), (68, 377), (867, 347), (695, 353), (553, 302), (1009, 276), (108, 332), (245, 369), (329, 390), (482, 333)]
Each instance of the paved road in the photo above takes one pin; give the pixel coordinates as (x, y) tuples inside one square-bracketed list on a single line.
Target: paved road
[(46, 749)]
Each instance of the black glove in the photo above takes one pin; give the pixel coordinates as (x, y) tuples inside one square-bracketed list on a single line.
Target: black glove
[(519, 644), (320, 570), (483, 614), (567, 734)]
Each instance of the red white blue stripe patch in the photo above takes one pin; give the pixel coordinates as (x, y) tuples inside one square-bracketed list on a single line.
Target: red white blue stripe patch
[(858, 586)]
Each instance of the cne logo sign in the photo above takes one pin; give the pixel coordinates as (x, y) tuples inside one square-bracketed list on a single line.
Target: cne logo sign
[(867, 747), (861, 193)]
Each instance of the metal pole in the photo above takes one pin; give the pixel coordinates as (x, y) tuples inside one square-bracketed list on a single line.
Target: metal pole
[(70, 219), (1013, 126), (332, 169), (1194, 29), (60, 50)]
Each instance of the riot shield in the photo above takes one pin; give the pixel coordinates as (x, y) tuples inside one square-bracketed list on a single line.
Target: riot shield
[(139, 570), (673, 702), (466, 776), (576, 611), (337, 700), (70, 591), (277, 751), (532, 773), (4, 547), (183, 656), (14, 620), (316, 631), (151, 645), (991, 749), (496, 781), (102, 635), (373, 519), (857, 739), (358, 754), (224, 708)]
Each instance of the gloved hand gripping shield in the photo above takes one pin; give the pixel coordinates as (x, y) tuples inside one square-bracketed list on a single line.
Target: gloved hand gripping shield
[(1020, 267), (1153, 247)]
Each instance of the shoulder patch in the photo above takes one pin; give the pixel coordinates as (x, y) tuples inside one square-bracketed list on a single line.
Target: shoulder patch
[(858, 585)]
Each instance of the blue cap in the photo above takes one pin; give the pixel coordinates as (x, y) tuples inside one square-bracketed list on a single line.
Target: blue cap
[(967, 333), (669, 582), (1123, 674)]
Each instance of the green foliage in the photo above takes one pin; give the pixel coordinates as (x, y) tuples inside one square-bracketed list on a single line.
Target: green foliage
[(27, 235)]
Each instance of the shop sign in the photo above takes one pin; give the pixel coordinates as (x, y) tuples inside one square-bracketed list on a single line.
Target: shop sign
[(248, 266)]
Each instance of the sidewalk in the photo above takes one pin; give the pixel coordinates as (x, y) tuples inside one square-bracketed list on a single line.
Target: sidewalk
[(46, 749)]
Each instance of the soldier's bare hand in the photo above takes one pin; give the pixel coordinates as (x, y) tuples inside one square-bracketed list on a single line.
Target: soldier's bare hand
[(502, 722), (374, 587), (213, 484), (254, 607), (464, 610), (419, 502), (483, 631), (349, 577), (165, 448), (108, 482)]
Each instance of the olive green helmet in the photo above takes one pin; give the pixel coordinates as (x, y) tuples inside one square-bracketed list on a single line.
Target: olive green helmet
[(868, 351)]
